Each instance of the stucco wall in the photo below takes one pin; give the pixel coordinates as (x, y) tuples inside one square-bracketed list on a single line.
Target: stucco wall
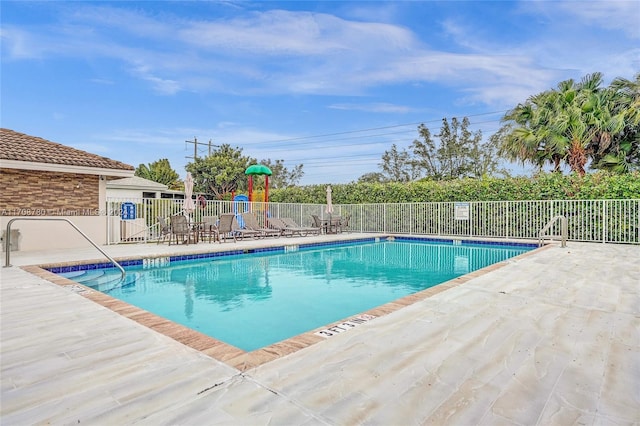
[(51, 235), (123, 193)]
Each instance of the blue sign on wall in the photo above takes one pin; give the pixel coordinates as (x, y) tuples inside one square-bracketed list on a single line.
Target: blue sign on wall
[(128, 211)]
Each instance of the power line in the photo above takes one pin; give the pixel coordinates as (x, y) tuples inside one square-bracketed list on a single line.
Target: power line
[(195, 147), (369, 158), (328, 143), (374, 128)]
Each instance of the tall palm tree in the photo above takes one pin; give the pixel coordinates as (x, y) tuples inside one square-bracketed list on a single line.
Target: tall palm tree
[(619, 149), (573, 124)]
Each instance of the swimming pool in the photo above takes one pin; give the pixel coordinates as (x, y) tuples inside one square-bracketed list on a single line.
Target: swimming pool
[(252, 300)]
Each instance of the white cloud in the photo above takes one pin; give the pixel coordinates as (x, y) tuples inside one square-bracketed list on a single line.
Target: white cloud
[(283, 33), (623, 16), (380, 107), (20, 44), (293, 52), (162, 86)]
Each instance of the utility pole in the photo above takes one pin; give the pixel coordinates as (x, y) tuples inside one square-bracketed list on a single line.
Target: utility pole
[(195, 147)]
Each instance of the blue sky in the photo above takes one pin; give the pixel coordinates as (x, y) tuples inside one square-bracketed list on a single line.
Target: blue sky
[(330, 85)]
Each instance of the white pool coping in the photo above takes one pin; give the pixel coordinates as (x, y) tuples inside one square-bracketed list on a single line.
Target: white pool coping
[(550, 338)]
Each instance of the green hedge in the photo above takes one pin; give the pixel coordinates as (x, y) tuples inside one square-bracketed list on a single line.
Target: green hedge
[(546, 186)]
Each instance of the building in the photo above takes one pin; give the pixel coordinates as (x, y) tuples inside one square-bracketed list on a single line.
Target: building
[(139, 188), (44, 179)]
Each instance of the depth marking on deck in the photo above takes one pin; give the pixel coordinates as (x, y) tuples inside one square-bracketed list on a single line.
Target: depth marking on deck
[(344, 326)]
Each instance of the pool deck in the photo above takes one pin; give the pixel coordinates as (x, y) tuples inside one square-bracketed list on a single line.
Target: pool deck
[(548, 338)]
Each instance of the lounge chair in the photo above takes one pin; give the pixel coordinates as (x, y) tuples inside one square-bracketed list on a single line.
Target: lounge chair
[(302, 230), (250, 222), (181, 229), (228, 228), (288, 231), (277, 223)]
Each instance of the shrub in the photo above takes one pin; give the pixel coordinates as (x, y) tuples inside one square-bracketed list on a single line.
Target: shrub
[(544, 186)]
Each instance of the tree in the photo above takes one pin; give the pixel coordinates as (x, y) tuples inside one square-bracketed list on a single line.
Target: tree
[(426, 154), (572, 125), (453, 151), (620, 151), (396, 165), (459, 153), (373, 177), (222, 172), (159, 171), (282, 177)]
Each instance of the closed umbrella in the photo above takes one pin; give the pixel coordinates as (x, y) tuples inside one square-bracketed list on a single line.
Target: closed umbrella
[(329, 208), (189, 206)]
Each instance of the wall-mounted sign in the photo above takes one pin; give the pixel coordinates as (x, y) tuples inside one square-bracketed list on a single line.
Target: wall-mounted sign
[(462, 211), (128, 211)]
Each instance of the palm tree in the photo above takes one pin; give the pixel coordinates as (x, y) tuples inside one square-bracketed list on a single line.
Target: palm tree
[(619, 149), (576, 123), (527, 135)]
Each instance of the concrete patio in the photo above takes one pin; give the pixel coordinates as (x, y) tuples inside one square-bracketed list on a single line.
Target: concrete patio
[(550, 338)]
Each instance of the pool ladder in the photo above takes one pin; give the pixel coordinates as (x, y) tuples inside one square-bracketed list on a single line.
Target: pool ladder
[(7, 242), (563, 231)]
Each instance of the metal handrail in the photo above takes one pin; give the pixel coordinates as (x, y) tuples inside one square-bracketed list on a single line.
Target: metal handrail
[(7, 243), (563, 231)]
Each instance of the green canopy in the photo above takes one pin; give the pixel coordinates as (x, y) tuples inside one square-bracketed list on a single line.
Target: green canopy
[(258, 169)]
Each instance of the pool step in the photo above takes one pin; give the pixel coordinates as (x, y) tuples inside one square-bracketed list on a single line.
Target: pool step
[(101, 280), (85, 276), (111, 282)]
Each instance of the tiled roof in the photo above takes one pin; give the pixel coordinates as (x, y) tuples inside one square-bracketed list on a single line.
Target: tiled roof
[(20, 147)]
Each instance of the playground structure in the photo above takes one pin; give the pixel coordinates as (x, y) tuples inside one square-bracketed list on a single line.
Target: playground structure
[(243, 203), (258, 170)]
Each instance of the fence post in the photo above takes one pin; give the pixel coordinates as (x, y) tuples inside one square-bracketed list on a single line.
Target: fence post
[(604, 221), (384, 218), (411, 218), (508, 230)]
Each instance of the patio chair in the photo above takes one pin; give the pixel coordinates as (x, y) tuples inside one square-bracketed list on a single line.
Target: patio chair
[(302, 230), (319, 223), (181, 229), (209, 228), (164, 230), (335, 224), (344, 223), (250, 222), (226, 226)]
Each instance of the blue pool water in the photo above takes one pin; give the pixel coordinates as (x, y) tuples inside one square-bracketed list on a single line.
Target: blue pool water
[(254, 300)]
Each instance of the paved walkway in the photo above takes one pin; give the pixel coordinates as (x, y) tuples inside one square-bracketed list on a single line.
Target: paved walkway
[(550, 338)]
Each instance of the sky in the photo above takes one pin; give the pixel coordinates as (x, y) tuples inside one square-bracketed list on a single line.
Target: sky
[(330, 85)]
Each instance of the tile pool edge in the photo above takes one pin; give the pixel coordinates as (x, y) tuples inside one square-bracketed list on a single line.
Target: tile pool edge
[(62, 267), (234, 356)]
